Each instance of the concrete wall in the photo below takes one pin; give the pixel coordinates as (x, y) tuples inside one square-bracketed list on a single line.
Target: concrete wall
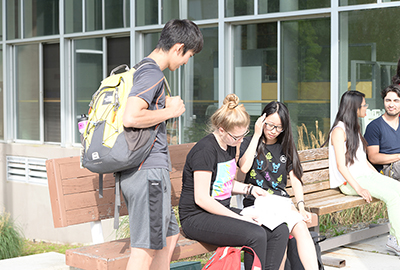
[(29, 204)]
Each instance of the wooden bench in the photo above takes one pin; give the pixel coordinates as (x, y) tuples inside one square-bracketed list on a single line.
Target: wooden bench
[(321, 199), (74, 199)]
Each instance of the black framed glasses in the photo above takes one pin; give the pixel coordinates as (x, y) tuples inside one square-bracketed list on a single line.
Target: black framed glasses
[(236, 138), (271, 127)]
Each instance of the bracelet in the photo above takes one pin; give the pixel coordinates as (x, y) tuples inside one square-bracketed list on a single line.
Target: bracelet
[(247, 190), (251, 189), (301, 201)]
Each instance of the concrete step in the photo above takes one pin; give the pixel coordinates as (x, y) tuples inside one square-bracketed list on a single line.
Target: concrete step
[(43, 261)]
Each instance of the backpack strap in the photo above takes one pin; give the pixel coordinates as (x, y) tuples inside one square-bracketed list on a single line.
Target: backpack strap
[(100, 185), (117, 206)]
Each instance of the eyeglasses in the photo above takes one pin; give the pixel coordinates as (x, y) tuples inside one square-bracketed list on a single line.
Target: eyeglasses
[(365, 105), (236, 138), (271, 127)]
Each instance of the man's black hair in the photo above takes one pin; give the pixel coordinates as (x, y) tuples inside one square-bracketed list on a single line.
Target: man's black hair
[(181, 31)]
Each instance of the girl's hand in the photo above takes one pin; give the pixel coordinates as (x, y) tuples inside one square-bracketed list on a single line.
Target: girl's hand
[(257, 191), (251, 219), (259, 125), (306, 215), (365, 194)]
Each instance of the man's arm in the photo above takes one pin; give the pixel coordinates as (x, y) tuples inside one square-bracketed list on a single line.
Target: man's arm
[(138, 115), (379, 158)]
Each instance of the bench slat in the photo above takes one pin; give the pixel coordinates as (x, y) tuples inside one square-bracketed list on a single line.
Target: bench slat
[(94, 213), (335, 203), (87, 183), (315, 165), (314, 154)]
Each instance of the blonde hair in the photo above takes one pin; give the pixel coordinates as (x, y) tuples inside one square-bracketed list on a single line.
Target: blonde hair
[(231, 114)]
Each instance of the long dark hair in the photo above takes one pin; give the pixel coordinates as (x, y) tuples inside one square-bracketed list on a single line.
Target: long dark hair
[(349, 104), (396, 77), (285, 138)]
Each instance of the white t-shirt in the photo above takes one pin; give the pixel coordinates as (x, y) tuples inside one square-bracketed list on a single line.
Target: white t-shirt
[(358, 168)]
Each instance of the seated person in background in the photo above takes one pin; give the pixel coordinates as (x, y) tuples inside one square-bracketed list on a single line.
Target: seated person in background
[(383, 133), (349, 168), (208, 184)]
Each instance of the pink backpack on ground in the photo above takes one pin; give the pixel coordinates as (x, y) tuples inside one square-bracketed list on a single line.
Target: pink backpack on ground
[(229, 258)]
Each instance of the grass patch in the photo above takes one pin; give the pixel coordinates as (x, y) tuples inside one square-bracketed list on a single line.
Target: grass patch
[(369, 213), (35, 247), (11, 239)]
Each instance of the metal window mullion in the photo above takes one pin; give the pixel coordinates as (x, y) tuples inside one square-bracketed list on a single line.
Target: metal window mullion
[(83, 16), (104, 57), (132, 34), (159, 11), (279, 56), (103, 15), (41, 95), (183, 9), (222, 76), (334, 59), (22, 18), (13, 84), (255, 7)]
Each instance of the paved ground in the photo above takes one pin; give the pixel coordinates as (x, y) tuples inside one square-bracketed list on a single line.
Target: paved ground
[(365, 255), (370, 254)]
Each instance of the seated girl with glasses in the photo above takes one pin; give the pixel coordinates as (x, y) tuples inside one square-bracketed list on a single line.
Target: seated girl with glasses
[(208, 184), (267, 158)]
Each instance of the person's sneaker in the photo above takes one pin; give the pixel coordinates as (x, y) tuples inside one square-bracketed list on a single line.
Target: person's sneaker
[(393, 245)]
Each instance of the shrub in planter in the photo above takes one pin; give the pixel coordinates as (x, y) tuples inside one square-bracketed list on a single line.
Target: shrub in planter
[(11, 239)]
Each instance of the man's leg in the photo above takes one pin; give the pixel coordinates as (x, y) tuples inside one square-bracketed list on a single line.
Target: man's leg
[(141, 258), (162, 258)]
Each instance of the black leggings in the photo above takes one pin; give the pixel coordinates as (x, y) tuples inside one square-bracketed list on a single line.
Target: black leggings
[(219, 230)]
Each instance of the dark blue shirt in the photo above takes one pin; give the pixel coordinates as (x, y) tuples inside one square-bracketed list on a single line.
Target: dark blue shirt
[(378, 132)]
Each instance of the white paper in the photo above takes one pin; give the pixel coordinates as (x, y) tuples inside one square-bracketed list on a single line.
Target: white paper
[(273, 210)]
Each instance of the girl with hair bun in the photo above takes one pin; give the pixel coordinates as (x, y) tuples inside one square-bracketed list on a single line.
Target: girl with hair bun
[(207, 187)]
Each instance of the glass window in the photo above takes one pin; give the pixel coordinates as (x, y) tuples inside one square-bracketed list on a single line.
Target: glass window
[(93, 15), (200, 88), (356, 2), (367, 58), (117, 13), (255, 62), (170, 10), (202, 9), (40, 17), (268, 6), (197, 84), (73, 16), (118, 52), (51, 92), (27, 92), (88, 73), (305, 79), (238, 8), (13, 13), (146, 12)]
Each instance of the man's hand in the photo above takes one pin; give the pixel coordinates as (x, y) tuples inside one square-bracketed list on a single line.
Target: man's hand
[(175, 105)]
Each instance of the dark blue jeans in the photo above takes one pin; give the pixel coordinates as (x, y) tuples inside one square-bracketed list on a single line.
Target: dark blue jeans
[(219, 230)]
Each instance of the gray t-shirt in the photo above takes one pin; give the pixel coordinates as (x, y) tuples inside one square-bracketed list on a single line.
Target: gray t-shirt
[(148, 84)]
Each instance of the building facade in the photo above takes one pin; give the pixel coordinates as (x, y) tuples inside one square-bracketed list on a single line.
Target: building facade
[(54, 53)]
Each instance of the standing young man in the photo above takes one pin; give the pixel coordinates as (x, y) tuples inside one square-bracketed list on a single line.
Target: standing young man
[(147, 191), (383, 138)]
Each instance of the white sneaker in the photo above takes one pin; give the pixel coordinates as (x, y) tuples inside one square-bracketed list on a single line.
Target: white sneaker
[(393, 245)]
